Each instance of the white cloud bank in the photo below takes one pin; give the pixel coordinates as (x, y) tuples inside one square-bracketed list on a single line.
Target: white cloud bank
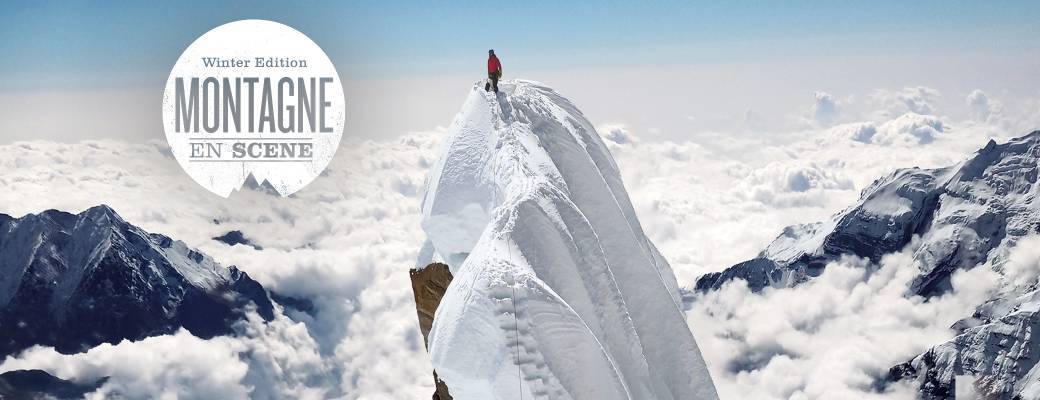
[(833, 337), (270, 360), (917, 100), (346, 241), (720, 197)]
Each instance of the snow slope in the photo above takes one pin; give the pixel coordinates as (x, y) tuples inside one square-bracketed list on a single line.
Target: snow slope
[(557, 292)]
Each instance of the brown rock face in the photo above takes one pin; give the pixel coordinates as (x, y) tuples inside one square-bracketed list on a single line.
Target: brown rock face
[(428, 287)]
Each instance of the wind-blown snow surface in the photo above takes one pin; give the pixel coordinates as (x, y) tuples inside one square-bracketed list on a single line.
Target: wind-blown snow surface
[(557, 291)]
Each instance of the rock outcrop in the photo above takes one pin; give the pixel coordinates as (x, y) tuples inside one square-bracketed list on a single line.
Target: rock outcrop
[(428, 286)]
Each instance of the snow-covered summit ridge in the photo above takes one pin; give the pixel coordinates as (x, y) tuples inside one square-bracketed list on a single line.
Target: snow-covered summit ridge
[(557, 292)]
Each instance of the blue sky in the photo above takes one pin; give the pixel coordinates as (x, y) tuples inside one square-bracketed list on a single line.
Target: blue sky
[(126, 46), (62, 43)]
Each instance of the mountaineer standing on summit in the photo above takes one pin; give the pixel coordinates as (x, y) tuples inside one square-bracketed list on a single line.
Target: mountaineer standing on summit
[(494, 71)]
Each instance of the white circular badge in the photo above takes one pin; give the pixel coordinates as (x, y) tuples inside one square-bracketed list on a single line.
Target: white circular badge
[(253, 97)]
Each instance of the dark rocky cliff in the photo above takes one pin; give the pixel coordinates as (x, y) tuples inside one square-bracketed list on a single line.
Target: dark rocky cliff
[(428, 287)]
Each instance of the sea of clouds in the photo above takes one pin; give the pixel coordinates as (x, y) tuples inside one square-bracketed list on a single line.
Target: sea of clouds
[(346, 242)]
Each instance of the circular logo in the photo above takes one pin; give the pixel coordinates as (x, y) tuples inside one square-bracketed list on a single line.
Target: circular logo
[(253, 97)]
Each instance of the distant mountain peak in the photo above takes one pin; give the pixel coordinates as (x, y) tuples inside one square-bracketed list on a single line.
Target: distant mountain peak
[(964, 214), (37, 384), (969, 215), (73, 281)]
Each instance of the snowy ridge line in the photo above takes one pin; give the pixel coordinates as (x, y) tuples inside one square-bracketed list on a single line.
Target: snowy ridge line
[(533, 368), (989, 217), (74, 281), (983, 212), (965, 214), (597, 312), (541, 383)]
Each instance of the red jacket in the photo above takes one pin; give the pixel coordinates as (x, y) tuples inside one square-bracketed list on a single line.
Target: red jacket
[(493, 65)]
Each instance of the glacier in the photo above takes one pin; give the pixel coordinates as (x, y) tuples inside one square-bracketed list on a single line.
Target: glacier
[(557, 292)]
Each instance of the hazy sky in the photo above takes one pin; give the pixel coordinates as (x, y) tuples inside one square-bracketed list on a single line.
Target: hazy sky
[(81, 70)]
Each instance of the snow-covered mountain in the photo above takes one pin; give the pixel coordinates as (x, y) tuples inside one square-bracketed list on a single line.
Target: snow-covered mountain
[(557, 293), (969, 215), (35, 384), (964, 215), (75, 281)]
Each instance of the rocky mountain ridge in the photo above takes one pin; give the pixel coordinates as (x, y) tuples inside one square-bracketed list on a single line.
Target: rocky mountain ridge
[(969, 215), (73, 281)]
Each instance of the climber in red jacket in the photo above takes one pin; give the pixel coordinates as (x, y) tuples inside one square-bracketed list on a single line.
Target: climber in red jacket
[(494, 71)]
